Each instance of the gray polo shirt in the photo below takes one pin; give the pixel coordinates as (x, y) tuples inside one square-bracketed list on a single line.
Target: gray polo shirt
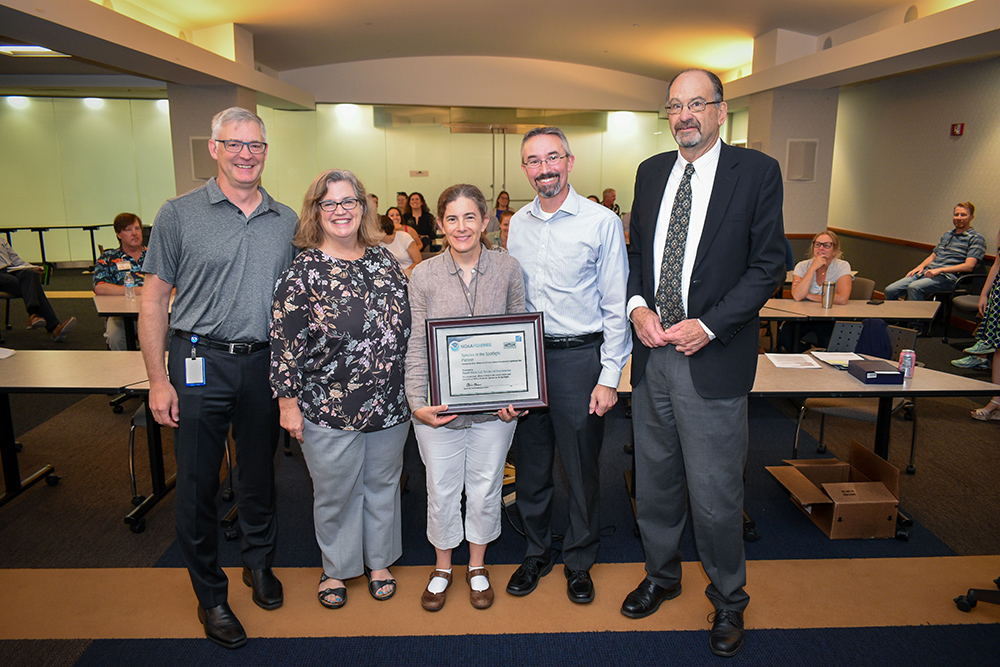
[(223, 264), (955, 248)]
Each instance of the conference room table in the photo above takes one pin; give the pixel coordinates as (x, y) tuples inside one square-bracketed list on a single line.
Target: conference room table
[(71, 372), (796, 312), (116, 305), (829, 382)]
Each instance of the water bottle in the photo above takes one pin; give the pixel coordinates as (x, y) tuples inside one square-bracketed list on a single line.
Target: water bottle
[(829, 291), (129, 287)]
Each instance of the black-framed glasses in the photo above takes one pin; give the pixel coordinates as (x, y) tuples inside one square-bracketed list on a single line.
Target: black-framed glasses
[(330, 206), (235, 145), (825, 245), (551, 160), (696, 106)]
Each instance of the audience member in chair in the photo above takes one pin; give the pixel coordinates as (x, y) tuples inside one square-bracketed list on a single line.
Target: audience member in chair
[(463, 454), (223, 246), (987, 340), (19, 278), (824, 264), (338, 340), (114, 265), (421, 219), (956, 253)]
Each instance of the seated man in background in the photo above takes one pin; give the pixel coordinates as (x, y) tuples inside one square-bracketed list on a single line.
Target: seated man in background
[(19, 278), (112, 268), (956, 253)]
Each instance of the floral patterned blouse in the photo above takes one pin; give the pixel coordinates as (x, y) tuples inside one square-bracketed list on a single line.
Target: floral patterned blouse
[(338, 339)]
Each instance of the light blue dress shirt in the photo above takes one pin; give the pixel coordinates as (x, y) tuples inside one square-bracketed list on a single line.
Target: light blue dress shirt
[(575, 271)]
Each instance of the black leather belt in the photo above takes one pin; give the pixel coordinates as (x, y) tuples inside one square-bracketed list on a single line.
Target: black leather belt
[(567, 342), (231, 348)]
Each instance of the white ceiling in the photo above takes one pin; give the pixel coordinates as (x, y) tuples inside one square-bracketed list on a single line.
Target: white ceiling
[(653, 38)]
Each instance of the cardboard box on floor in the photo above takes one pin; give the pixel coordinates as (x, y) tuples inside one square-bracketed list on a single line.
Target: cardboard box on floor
[(858, 499)]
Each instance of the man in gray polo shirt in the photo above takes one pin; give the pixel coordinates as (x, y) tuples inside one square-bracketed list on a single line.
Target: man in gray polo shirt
[(222, 246), (958, 252)]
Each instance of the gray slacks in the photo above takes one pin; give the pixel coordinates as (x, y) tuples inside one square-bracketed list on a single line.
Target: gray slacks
[(690, 454), (356, 508)]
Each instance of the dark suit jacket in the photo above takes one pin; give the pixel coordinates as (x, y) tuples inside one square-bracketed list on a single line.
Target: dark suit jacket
[(740, 262)]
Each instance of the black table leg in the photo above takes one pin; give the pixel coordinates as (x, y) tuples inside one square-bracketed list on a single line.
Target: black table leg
[(161, 486), (13, 483), (884, 421)]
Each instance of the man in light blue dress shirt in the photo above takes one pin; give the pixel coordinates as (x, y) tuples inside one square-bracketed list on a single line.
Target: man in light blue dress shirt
[(572, 253)]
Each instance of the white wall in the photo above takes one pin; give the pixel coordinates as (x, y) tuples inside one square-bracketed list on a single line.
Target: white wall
[(897, 172), (63, 163)]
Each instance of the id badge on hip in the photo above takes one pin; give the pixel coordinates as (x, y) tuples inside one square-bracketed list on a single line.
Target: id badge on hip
[(194, 367)]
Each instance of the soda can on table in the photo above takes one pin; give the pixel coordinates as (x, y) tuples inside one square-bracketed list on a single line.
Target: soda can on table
[(907, 362)]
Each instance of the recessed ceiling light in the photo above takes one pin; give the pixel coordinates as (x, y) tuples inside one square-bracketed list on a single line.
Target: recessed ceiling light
[(93, 102), (18, 101), (21, 51)]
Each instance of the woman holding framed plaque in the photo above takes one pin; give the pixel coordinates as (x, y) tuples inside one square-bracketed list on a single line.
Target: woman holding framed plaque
[(460, 451), (338, 338)]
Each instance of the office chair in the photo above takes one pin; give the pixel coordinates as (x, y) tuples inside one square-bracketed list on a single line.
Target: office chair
[(864, 409), (968, 601), (862, 289)]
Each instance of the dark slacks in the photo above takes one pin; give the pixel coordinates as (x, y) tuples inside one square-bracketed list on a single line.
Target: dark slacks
[(237, 393), (690, 453), (27, 284), (565, 425)]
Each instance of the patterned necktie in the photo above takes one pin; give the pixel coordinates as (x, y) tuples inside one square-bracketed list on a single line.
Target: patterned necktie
[(668, 293)]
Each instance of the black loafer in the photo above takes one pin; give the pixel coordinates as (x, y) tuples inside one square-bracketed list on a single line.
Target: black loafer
[(266, 587), (579, 586), (726, 637), (222, 626), (525, 578), (647, 598)]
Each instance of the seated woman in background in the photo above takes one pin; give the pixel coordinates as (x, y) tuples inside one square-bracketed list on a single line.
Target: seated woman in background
[(401, 245), (340, 325), (396, 216), (464, 452), (420, 218), (825, 264)]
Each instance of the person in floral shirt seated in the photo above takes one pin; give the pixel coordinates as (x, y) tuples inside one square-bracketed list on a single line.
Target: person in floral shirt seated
[(112, 268), (339, 331)]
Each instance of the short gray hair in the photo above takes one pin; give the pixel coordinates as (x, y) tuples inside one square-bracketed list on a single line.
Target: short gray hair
[(237, 115), (539, 131)]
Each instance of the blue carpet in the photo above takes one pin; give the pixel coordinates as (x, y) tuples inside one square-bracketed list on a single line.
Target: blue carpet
[(889, 647), (786, 533)]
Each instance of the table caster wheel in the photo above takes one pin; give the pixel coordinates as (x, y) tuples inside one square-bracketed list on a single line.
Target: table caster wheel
[(138, 500), (138, 526), (52, 480), (117, 409), (821, 449), (18, 447), (231, 534), (966, 602), (750, 535), (911, 470), (227, 495), (902, 534)]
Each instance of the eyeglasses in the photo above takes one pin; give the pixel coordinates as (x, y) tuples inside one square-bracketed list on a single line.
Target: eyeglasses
[(697, 106), (552, 160), (330, 206), (824, 245), (235, 145)]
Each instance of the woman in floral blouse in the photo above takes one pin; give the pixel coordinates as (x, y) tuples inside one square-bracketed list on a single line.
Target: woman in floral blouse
[(338, 340), (465, 452)]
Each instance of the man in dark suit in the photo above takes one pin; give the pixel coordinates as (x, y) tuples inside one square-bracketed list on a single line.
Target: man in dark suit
[(707, 251)]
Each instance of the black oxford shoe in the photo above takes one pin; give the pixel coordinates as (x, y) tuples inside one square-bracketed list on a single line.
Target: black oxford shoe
[(579, 586), (726, 637), (525, 578), (647, 598), (222, 626), (266, 587)]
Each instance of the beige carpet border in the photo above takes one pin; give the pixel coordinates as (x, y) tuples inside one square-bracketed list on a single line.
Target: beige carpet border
[(158, 602)]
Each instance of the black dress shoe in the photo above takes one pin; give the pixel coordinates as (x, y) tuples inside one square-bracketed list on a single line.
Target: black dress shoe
[(579, 586), (222, 626), (525, 578), (266, 587), (647, 598), (726, 637)]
